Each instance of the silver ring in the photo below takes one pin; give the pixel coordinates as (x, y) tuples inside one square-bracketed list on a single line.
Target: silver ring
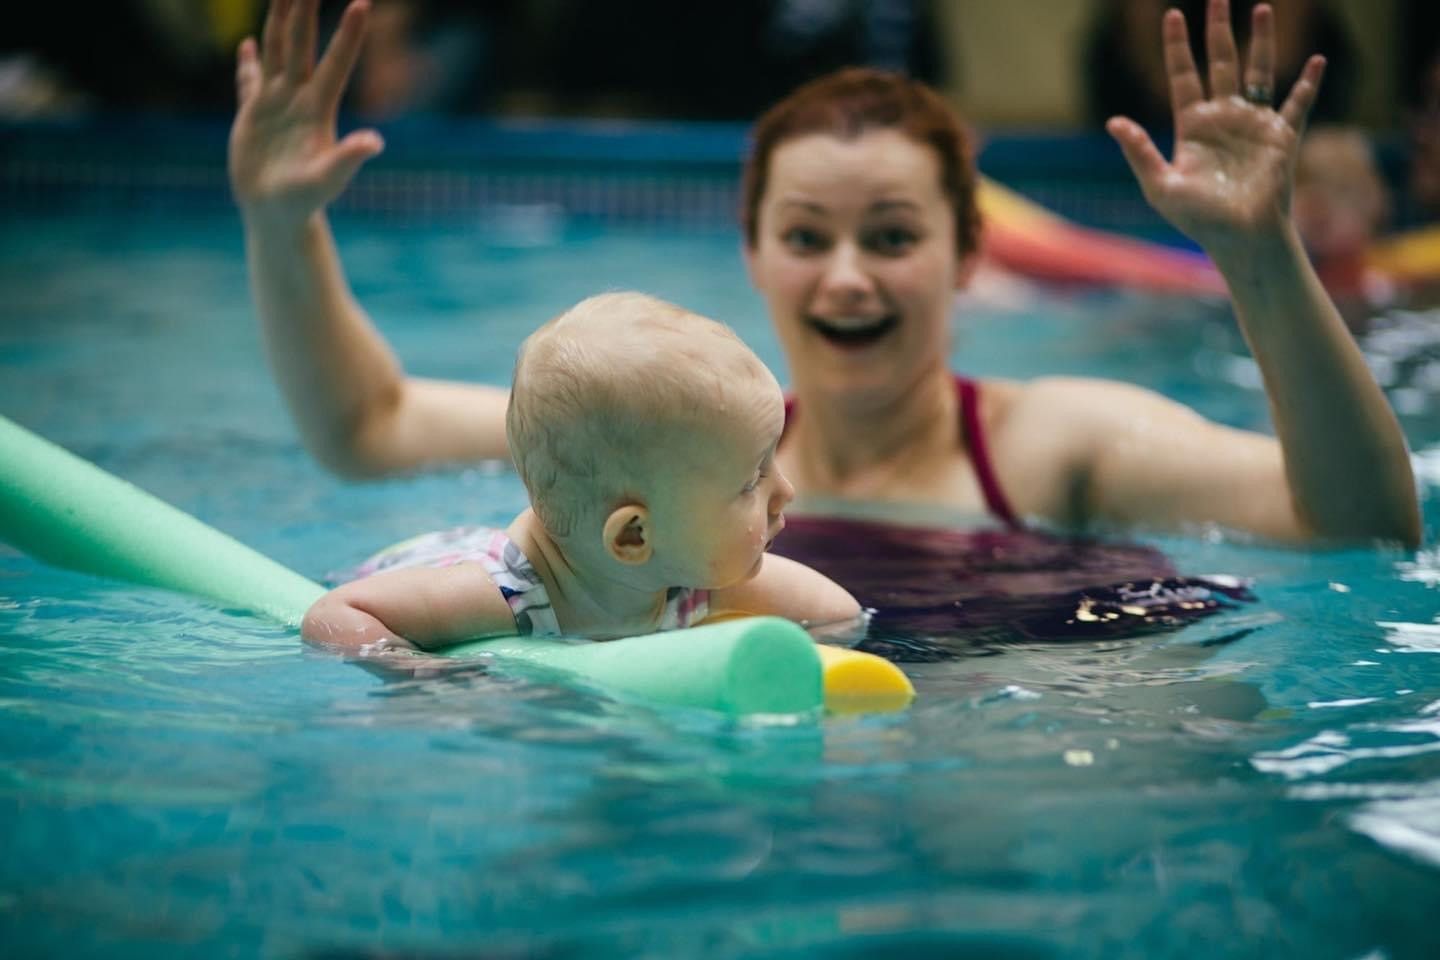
[(1259, 94)]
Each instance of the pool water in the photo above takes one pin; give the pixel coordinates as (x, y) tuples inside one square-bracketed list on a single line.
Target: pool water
[(182, 780)]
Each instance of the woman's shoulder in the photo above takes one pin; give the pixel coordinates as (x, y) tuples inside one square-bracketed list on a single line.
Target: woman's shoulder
[(1045, 434), (1060, 396), (1047, 416)]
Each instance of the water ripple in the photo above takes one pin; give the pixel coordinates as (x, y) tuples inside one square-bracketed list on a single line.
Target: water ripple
[(1406, 820), (1412, 637)]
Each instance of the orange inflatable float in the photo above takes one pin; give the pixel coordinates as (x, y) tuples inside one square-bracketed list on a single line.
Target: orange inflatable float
[(1022, 236)]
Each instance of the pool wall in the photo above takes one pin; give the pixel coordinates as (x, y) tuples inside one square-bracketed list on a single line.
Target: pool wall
[(604, 170)]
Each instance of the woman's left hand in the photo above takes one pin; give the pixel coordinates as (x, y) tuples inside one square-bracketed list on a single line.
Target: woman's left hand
[(1234, 162)]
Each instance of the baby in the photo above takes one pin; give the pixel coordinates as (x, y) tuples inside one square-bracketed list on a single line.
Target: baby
[(645, 436)]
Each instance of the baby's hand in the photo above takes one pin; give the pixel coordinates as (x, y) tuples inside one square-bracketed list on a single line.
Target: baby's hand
[(404, 663), (285, 161)]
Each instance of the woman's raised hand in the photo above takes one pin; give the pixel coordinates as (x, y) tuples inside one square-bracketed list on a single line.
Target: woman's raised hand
[(285, 160), (1234, 156)]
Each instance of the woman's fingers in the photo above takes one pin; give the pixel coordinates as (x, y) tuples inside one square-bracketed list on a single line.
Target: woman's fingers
[(334, 69), (1185, 86), (1220, 50), (272, 37), (287, 48), (300, 40), (1140, 152), (338, 165), (1260, 60), (247, 71), (305, 36), (1296, 109)]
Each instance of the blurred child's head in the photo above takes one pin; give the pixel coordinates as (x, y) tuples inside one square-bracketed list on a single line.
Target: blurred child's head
[(1340, 202), (645, 434), (1425, 143)]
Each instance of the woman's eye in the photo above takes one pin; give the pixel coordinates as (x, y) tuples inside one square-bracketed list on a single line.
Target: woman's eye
[(891, 240), (803, 239)]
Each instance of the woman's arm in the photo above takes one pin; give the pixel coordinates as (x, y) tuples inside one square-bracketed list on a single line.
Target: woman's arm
[(357, 411), (1346, 471), (413, 609), (1131, 457), (784, 588)]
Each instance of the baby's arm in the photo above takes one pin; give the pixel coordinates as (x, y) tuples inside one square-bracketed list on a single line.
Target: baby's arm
[(358, 412), (785, 588), (412, 609)]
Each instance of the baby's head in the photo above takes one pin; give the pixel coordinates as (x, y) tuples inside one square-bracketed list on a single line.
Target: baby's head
[(646, 433)]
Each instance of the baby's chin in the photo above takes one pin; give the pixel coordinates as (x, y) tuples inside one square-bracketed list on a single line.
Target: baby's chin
[(726, 583), (746, 577)]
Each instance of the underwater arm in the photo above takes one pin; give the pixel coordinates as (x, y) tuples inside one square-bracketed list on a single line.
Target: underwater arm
[(1346, 469), (412, 609), (357, 411)]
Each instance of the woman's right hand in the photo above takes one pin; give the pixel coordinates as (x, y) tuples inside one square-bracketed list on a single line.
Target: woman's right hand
[(1229, 182), (285, 160)]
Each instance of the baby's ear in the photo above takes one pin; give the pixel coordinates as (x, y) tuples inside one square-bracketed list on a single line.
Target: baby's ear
[(627, 534)]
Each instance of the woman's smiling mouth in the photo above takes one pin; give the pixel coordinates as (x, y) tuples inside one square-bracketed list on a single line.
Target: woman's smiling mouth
[(852, 333)]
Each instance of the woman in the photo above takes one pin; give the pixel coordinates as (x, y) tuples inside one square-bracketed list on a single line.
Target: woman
[(860, 228)]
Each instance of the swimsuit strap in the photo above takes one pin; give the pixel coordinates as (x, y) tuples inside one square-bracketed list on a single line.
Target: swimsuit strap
[(972, 435), (972, 438)]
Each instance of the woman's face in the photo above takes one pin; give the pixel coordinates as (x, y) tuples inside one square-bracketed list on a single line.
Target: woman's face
[(856, 255)]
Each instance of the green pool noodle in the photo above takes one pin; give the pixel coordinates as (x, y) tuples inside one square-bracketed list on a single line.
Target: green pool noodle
[(745, 666), (66, 511)]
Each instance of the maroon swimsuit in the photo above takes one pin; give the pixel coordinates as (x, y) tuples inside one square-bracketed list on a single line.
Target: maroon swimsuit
[(941, 592)]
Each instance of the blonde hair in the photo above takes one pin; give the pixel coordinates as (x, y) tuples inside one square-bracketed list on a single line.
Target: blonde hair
[(602, 393)]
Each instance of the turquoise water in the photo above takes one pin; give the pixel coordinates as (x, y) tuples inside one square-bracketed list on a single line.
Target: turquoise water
[(179, 780)]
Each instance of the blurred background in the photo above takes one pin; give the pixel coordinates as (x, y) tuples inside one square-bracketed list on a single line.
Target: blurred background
[(1058, 64), (1036, 79)]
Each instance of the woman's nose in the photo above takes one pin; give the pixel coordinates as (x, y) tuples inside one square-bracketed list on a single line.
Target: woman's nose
[(845, 277)]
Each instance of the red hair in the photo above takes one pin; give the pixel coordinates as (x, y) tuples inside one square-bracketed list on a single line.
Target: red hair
[(851, 102)]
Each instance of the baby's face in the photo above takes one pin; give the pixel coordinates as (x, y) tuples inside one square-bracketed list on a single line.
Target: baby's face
[(729, 494)]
